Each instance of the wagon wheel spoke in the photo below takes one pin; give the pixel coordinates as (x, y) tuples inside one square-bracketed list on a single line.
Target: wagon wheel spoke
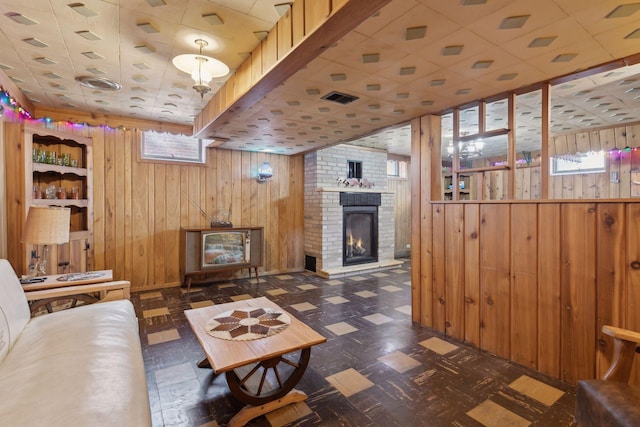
[(269, 379)]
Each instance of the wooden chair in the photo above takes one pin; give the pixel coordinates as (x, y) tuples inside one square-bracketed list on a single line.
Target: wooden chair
[(612, 401)]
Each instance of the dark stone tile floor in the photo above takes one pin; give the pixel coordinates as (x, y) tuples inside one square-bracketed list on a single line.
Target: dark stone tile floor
[(396, 373)]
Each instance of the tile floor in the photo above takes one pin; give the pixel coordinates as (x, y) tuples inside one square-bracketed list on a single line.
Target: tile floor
[(377, 368)]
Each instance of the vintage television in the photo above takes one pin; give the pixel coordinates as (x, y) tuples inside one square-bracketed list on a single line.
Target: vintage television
[(212, 250), (225, 249)]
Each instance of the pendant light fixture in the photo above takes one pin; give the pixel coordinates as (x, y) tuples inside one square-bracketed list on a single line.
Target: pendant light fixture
[(201, 67)]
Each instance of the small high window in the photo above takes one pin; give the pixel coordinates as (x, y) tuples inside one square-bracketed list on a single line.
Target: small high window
[(171, 148), (354, 169), (591, 162)]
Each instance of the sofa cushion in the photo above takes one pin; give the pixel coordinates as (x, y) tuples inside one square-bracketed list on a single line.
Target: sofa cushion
[(80, 367), (14, 308)]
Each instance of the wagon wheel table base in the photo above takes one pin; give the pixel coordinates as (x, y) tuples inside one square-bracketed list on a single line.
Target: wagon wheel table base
[(262, 350)]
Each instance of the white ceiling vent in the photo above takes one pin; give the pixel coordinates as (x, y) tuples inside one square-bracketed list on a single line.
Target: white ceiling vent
[(339, 97)]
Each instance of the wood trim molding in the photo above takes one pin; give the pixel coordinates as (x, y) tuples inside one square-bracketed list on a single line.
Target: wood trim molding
[(337, 24)]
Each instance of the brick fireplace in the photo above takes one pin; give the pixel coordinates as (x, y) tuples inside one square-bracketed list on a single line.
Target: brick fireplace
[(327, 202)]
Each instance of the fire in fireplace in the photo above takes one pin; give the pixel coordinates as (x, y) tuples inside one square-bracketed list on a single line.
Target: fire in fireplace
[(360, 244)]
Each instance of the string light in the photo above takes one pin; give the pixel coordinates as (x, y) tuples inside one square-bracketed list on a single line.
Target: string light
[(8, 104)]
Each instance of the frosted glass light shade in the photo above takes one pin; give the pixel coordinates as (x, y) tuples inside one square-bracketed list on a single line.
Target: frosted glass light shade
[(211, 67)]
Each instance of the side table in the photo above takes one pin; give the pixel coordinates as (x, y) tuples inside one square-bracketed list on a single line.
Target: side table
[(88, 287)]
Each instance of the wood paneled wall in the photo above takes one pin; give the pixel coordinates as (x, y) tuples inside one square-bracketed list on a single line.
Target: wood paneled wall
[(139, 207), (534, 282), (402, 214)]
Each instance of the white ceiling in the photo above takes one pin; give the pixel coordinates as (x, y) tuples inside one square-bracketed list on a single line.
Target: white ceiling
[(411, 77)]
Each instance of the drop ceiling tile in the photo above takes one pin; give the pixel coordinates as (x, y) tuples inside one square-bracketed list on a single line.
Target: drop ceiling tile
[(614, 40), (389, 13), (590, 13), (542, 13), (566, 30), (465, 15)]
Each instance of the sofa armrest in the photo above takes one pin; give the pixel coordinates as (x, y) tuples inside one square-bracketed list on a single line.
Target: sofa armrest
[(123, 286)]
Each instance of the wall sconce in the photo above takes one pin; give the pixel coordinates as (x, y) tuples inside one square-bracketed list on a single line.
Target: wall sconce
[(202, 68), (46, 226), (264, 172)]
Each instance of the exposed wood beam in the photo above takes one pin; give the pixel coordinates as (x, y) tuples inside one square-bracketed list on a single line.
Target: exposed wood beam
[(342, 21), (9, 86)]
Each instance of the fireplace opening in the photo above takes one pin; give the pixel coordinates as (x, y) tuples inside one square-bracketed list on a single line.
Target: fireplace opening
[(360, 234)]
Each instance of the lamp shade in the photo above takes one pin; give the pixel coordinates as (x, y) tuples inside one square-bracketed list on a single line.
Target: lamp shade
[(47, 225)]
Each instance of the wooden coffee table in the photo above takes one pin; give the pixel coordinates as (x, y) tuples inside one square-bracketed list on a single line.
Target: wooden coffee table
[(261, 372)]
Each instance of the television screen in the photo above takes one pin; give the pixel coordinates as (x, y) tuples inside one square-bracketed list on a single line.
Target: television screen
[(224, 248)]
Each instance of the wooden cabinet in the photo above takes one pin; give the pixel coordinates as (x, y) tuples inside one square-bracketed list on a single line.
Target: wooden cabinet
[(464, 187), (214, 250), (58, 172)]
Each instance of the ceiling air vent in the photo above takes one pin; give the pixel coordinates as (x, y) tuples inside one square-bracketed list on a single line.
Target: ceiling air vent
[(339, 97), (100, 83)]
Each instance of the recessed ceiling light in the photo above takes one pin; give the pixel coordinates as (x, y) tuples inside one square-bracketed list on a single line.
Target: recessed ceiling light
[(139, 89), (95, 70), (35, 42), (415, 33), (633, 35), (145, 48), (100, 83), (148, 27), (212, 19), (482, 64), (542, 41), (624, 10), (141, 66), (92, 55), (260, 35), (452, 50), (86, 34), (156, 3), (282, 8), (82, 9), (44, 60), (369, 58), (564, 57), (20, 19), (514, 22), (351, 115)]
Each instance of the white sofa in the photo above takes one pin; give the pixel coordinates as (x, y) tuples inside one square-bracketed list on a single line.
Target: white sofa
[(77, 367)]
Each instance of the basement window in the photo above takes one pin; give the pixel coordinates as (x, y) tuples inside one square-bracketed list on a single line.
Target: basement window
[(567, 164), (354, 169), (167, 147)]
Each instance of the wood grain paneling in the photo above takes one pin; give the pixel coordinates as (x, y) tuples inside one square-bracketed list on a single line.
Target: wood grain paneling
[(402, 214), (540, 279), (140, 206)]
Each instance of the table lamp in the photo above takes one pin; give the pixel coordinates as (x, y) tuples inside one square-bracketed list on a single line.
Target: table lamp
[(46, 226)]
